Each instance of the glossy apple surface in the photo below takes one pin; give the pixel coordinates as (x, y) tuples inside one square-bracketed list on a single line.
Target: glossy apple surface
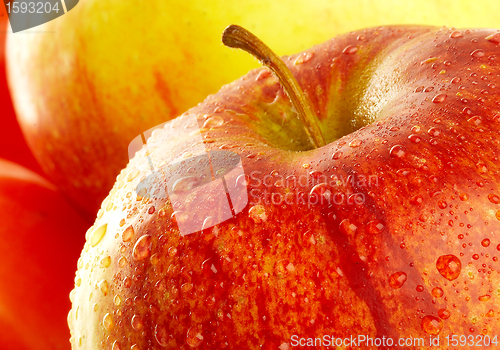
[(390, 230), (108, 70), (41, 237), (13, 146)]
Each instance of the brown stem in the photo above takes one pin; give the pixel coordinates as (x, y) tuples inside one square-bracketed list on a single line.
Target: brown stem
[(237, 37)]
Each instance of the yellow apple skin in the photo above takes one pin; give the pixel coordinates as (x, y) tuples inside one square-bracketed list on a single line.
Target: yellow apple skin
[(85, 84)]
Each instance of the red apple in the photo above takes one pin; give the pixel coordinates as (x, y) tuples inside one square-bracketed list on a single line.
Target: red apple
[(12, 144), (388, 231), (41, 237)]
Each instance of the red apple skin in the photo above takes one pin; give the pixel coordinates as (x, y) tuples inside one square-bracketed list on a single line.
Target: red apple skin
[(41, 237), (412, 114)]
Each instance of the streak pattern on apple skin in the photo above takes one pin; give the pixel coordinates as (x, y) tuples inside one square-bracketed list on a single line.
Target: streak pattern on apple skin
[(398, 256)]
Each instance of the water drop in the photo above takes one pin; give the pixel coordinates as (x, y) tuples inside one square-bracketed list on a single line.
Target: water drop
[(481, 167), (475, 120), (349, 50), (397, 279), (444, 314), (485, 242), (98, 234), (151, 210), (105, 262), (420, 288), (194, 338), (456, 80), (258, 213), (127, 234), (122, 261), (355, 143), (485, 297), (456, 34), (347, 227), (442, 204), (142, 248), (475, 256), (477, 53), (103, 287), (414, 138), (397, 151), (437, 292), (213, 122), (161, 335), (107, 322), (117, 300), (449, 266), (416, 200), (137, 323), (431, 325), (434, 132), (185, 183), (132, 174), (490, 313), (375, 227), (464, 196), (494, 38), (439, 98), (337, 155), (116, 346), (303, 57), (493, 198)]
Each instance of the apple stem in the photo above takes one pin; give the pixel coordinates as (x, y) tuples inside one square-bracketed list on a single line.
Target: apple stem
[(238, 37)]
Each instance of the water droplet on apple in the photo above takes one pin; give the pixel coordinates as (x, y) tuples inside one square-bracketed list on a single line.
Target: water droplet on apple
[(213, 122), (464, 196), (374, 227), (127, 234), (132, 174), (355, 143), (105, 262), (477, 53), (185, 183), (439, 98), (117, 300), (397, 151), (349, 50), (485, 297), (444, 314), (475, 120), (493, 198), (449, 266), (481, 167), (161, 335), (122, 261), (475, 256), (142, 248), (442, 204), (107, 322), (194, 337), (434, 132), (431, 325), (137, 323), (347, 227), (303, 57), (416, 200), (337, 155), (456, 80), (116, 346), (98, 234), (494, 38), (420, 288), (258, 213), (490, 313), (414, 138), (456, 34), (103, 287), (437, 292), (397, 279), (151, 210), (485, 242)]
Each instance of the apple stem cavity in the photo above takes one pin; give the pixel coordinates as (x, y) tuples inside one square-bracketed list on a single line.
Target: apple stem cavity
[(238, 37)]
